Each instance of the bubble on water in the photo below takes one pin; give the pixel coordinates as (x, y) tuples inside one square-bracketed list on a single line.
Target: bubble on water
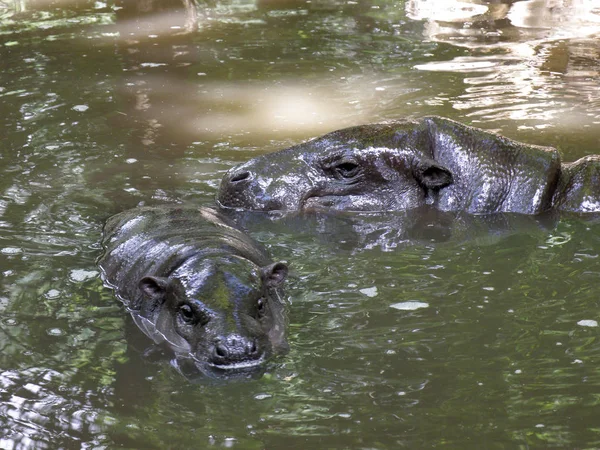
[(369, 292), (229, 442), (52, 293), (409, 306), (80, 108), (262, 396), (10, 322), (587, 323), (55, 332)]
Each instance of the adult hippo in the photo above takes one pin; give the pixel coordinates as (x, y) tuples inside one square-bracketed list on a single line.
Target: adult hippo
[(409, 163), (193, 280)]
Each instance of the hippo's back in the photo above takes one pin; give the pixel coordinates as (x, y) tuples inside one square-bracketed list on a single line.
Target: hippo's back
[(492, 173), (157, 240)]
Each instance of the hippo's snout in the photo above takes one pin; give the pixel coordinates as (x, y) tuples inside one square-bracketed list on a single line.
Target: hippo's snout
[(246, 188), (237, 186), (241, 188), (235, 351)]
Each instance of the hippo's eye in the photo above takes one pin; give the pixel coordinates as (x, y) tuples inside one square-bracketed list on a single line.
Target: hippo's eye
[(261, 306), (347, 169), (186, 313)]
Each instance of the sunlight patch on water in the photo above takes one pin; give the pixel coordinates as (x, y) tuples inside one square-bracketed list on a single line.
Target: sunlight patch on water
[(460, 64), (280, 109), (448, 10), (81, 275), (409, 306), (11, 251), (369, 292)]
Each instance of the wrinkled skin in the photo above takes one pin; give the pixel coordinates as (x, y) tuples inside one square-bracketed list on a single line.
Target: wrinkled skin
[(194, 281), (407, 164)]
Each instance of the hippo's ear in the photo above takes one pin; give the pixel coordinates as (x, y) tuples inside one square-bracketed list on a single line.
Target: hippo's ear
[(433, 175), (153, 287), (274, 274)]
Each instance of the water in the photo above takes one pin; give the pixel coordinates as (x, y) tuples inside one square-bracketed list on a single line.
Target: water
[(406, 331)]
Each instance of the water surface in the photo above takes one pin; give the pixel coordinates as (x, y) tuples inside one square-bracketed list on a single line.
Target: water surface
[(409, 330)]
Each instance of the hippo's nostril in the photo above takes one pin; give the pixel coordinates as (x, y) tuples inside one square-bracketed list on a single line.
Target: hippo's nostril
[(241, 176), (221, 350)]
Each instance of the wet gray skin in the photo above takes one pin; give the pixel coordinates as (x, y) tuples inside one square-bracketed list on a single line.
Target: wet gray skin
[(194, 281), (406, 164)]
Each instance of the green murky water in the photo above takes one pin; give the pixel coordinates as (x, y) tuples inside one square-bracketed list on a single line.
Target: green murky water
[(437, 332)]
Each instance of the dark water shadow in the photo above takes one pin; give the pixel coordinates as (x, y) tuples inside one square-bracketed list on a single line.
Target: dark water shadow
[(352, 232)]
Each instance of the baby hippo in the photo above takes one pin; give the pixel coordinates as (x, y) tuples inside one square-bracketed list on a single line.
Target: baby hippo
[(191, 279)]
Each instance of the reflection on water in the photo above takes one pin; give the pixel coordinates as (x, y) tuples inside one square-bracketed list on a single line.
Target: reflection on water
[(474, 23), (34, 406), (531, 61), (142, 19), (284, 110), (217, 86)]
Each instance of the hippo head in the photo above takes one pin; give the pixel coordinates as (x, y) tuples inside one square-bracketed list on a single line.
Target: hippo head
[(369, 168), (226, 314)]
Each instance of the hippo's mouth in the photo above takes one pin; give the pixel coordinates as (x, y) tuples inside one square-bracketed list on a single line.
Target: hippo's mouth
[(317, 202), (236, 366), (196, 370), (316, 199), (341, 202), (230, 368)]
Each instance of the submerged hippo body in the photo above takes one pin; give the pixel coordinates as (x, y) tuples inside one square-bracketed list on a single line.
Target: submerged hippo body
[(193, 280), (406, 164)]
